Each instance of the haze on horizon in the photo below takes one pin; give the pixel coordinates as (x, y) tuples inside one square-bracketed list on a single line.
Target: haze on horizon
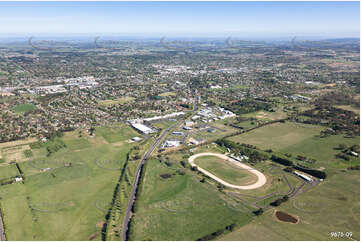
[(200, 19)]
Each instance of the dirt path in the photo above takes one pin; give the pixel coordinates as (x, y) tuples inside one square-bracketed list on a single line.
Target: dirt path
[(261, 178)]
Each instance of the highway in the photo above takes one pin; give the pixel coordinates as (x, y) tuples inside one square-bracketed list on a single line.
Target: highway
[(137, 177), (133, 192)]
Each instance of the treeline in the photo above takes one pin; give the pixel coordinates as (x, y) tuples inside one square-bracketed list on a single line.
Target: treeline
[(337, 98), (289, 163), (248, 150), (279, 201), (248, 106), (214, 235), (115, 204), (54, 146), (338, 120)]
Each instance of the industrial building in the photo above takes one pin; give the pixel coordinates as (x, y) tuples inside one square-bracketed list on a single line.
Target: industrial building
[(142, 128)]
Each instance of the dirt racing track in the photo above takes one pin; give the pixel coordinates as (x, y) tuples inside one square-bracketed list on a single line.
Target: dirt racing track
[(260, 181)]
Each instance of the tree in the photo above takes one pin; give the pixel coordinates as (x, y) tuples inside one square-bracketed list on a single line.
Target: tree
[(341, 147), (258, 212)]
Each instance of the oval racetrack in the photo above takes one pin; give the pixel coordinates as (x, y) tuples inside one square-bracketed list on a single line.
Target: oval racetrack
[(260, 181)]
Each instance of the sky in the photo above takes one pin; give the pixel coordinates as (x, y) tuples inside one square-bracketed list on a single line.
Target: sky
[(217, 19)]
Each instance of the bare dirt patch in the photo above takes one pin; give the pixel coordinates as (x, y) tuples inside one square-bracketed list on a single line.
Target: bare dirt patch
[(285, 217), (100, 224), (93, 236)]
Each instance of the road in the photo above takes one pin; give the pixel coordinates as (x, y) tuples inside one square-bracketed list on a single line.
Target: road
[(259, 183), (2, 232), (133, 194)]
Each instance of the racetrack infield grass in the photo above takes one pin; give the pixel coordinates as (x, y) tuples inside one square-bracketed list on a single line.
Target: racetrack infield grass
[(225, 170), (275, 181), (180, 207), (332, 206)]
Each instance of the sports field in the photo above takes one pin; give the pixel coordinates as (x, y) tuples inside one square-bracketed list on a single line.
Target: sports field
[(116, 101), (225, 170), (23, 108), (166, 94)]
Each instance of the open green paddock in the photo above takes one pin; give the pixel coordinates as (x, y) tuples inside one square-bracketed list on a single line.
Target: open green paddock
[(332, 206), (278, 135), (116, 133), (180, 207), (61, 207), (69, 201), (267, 116), (8, 171), (300, 139)]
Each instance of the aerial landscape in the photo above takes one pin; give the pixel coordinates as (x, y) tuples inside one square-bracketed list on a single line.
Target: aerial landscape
[(179, 121)]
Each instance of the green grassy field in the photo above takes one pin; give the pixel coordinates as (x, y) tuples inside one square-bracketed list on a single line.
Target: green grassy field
[(116, 101), (349, 108), (225, 170), (8, 171), (267, 116), (77, 144), (278, 136), (300, 139), (65, 203), (166, 94), (116, 134), (162, 124), (180, 207), (332, 206), (23, 108)]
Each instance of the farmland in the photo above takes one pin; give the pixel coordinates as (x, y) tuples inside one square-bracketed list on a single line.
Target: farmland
[(182, 201), (331, 206), (85, 171), (299, 139)]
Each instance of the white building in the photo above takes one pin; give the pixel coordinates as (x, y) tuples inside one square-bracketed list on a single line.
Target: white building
[(142, 128), (171, 143), (18, 179), (307, 178), (135, 139)]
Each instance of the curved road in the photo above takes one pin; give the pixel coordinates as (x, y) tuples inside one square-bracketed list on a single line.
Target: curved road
[(261, 178)]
